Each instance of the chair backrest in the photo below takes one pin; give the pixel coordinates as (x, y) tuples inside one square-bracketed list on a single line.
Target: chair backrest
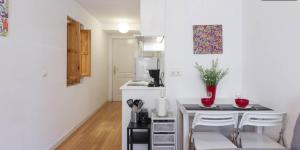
[(296, 138), (215, 119), (267, 119)]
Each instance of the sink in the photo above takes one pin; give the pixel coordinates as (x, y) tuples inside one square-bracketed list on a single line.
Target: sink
[(138, 83)]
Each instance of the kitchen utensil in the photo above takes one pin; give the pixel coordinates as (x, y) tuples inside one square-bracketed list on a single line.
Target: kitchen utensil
[(130, 103), (211, 107), (135, 108), (134, 117), (247, 107), (162, 109), (243, 103), (136, 102), (207, 102), (155, 75), (140, 104), (143, 117)]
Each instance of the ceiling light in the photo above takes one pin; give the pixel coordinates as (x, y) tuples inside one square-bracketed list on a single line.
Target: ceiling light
[(123, 27)]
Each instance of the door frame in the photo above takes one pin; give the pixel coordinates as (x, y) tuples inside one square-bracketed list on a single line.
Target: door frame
[(110, 60)]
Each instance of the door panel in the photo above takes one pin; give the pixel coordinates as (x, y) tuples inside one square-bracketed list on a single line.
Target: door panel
[(124, 52)]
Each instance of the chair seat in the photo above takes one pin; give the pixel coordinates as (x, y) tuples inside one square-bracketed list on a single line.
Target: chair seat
[(254, 140), (211, 140)]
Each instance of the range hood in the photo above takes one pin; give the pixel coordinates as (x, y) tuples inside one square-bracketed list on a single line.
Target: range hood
[(151, 43)]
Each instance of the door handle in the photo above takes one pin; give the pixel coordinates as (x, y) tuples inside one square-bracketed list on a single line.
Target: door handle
[(115, 70)]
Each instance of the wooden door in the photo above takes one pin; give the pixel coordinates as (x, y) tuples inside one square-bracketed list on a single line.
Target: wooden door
[(73, 66), (124, 52), (85, 53)]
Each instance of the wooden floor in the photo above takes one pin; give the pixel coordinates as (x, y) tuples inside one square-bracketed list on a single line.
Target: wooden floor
[(101, 132)]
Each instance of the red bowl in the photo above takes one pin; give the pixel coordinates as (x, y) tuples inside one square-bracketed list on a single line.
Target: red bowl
[(240, 102), (207, 102)]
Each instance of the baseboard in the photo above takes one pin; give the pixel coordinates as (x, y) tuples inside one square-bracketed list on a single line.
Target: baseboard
[(62, 139)]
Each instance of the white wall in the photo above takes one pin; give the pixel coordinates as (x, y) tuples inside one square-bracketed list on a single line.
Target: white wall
[(271, 35), (181, 15), (38, 111)]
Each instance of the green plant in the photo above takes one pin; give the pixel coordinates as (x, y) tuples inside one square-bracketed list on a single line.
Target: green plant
[(211, 76)]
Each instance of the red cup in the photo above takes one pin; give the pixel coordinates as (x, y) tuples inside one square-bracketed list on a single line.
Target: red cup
[(240, 102), (207, 102)]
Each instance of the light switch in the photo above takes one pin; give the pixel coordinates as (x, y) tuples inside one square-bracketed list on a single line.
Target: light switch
[(44, 73), (175, 73)]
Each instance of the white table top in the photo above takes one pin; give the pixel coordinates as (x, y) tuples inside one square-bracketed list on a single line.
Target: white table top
[(181, 102)]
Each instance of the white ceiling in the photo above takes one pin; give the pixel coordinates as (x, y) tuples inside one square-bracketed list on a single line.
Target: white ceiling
[(113, 11)]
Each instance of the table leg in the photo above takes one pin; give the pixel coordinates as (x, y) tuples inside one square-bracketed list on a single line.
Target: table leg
[(260, 130), (186, 129), (131, 145), (179, 130), (127, 139), (149, 142)]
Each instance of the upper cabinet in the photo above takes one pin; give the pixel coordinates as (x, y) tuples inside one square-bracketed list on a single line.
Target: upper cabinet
[(151, 43), (152, 17)]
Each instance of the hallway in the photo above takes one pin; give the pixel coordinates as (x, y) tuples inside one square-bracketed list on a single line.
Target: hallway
[(101, 132)]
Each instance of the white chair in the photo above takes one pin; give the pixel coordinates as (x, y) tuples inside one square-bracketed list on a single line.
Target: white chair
[(295, 143), (258, 140), (212, 140)]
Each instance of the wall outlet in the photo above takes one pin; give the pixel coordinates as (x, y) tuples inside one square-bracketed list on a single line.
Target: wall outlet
[(175, 73)]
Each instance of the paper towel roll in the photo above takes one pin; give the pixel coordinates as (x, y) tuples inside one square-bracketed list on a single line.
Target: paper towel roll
[(162, 107)]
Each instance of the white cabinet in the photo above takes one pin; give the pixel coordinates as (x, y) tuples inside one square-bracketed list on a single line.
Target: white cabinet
[(149, 95), (164, 132), (152, 17), (164, 148), (151, 43)]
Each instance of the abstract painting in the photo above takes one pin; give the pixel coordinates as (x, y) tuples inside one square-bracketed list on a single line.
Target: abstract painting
[(3, 17), (208, 39)]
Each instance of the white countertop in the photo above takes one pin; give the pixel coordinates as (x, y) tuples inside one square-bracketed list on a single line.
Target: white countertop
[(130, 87)]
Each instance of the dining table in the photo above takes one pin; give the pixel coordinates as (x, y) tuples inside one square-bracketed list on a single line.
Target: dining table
[(187, 107)]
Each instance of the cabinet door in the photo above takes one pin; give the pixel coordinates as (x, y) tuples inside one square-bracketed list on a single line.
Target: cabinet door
[(73, 66), (152, 17), (85, 54)]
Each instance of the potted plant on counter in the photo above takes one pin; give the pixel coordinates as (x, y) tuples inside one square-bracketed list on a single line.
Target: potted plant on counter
[(211, 77)]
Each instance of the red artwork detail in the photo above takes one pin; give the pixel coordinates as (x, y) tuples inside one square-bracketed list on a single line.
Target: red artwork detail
[(5, 24)]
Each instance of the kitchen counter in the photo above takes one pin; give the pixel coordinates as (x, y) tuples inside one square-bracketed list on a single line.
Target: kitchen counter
[(130, 85), (135, 90)]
